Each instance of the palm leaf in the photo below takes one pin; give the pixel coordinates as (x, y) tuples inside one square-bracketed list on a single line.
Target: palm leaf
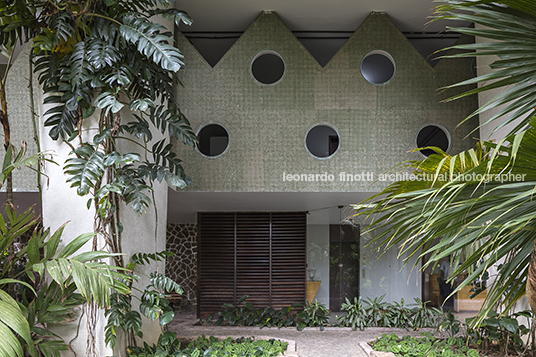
[(445, 217), (12, 321), (513, 30)]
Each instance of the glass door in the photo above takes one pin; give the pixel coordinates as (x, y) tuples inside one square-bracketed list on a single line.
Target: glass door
[(344, 263)]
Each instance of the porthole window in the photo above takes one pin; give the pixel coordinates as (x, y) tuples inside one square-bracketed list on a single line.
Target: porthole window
[(378, 67), (473, 67), (213, 140), (268, 67), (433, 135), (322, 141)]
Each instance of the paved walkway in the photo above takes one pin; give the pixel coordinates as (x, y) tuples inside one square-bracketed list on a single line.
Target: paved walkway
[(311, 342)]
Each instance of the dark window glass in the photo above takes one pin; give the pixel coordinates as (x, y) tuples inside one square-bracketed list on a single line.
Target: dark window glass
[(322, 141), (432, 135), (213, 140), (377, 68), (268, 68)]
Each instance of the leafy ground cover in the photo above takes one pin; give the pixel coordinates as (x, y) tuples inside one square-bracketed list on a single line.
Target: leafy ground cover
[(378, 313), (425, 346), (169, 345), (496, 335), (359, 314), (246, 314)]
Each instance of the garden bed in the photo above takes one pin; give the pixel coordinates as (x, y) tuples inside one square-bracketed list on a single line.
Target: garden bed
[(262, 346)]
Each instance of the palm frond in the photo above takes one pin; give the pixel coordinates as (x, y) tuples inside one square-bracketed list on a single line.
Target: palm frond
[(513, 30), (482, 197)]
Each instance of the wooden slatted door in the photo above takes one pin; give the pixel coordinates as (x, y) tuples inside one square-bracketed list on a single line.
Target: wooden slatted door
[(260, 254), (288, 258), (217, 252)]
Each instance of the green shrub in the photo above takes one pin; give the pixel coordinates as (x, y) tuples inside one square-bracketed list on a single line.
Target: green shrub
[(502, 330), (299, 315), (313, 315), (169, 345), (378, 313), (425, 346)]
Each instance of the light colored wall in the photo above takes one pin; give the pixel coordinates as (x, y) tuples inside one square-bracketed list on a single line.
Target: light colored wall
[(318, 258), (267, 124), (384, 273)]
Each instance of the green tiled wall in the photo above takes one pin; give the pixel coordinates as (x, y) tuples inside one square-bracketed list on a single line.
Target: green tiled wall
[(268, 124), (18, 106)]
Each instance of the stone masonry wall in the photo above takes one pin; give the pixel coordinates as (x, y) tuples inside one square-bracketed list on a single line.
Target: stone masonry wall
[(182, 267)]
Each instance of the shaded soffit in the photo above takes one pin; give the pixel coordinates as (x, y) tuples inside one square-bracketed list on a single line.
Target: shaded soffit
[(323, 206), (322, 26)]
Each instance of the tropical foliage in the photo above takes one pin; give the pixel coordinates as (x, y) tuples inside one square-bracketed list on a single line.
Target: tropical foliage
[(75, 279), (246, 314), (108, 73), (477, 206), (169, 345), (425, 345), (154, 303), (378, 313)]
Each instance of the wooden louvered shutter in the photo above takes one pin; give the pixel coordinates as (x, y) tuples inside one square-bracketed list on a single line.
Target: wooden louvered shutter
[(253, 257), (216, 261), (259, 254), (288, 258)]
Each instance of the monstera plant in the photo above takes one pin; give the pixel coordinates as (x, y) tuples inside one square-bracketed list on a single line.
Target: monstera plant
[(108, 72)]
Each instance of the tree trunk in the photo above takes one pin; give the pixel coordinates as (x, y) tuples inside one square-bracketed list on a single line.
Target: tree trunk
[(531, 280)]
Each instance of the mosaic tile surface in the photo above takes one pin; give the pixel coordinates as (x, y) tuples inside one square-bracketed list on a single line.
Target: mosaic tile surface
[(182, 267), (267, 124), (19, 112)]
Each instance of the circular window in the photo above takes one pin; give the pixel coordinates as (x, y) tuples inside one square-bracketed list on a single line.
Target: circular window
[(213, 140), (322, 141), (433, 135), (268, 67), (378, 67), (473, 67)]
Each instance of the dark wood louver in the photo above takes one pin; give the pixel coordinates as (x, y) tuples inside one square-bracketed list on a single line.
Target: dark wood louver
[(259, 254)]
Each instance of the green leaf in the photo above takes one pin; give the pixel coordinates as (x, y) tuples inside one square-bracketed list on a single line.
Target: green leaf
[(74, 245), (86, 169), (150, 41)]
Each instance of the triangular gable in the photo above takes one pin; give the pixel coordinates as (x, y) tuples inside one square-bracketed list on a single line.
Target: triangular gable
[(192, 58), (267, 32), (377, 32)]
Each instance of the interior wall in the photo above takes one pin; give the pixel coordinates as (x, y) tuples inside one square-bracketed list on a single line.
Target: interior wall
[(318, 258), (384, 273)]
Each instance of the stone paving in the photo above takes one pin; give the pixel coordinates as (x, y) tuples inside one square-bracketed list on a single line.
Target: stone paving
[(311, 342)]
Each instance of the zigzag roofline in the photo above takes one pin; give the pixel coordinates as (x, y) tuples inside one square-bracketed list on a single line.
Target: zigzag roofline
[(348, 42)]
